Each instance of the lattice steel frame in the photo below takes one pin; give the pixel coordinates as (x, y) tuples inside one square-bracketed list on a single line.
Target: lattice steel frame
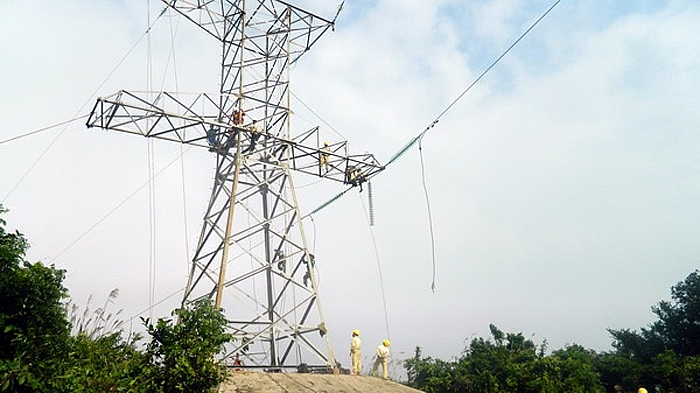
[(257, 267)]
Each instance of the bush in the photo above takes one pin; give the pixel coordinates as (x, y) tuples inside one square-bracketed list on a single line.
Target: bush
[(39, 354)]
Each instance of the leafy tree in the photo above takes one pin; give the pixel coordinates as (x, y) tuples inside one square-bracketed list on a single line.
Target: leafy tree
[(499, 366), (33, 327), (619, 372), (575, 369), (180, 356), (102, 364), (664, 354), (100, 359), (433, 375), (508, 363), (678, 326), (641, 347), (39, 354)]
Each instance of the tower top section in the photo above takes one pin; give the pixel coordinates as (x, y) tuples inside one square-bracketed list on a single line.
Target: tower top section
[(230, 20)]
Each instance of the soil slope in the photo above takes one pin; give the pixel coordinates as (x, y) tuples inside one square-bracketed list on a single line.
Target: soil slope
[(257, 382)]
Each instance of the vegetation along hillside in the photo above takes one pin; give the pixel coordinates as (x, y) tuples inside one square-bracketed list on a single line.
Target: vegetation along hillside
[(46, 346)]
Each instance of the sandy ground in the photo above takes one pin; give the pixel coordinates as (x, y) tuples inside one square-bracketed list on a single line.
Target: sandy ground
[(255, 382)]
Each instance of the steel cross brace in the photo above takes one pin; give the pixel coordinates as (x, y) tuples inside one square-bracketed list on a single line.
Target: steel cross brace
[(258, 266)]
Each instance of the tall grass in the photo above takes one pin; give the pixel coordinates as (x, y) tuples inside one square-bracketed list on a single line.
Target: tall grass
[(94, 323)]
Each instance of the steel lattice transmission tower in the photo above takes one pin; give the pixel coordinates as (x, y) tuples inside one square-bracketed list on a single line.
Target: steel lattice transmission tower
[(257, 266)]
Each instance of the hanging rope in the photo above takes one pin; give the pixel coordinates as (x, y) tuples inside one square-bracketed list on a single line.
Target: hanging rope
[(430, 213), (419, 138), (151, 173), (171, 56), (381, 277), (151, 228), (370, 200)]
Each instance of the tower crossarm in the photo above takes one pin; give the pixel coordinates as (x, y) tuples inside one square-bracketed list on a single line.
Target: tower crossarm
[(167, 116), (334, 161), (187, 119)]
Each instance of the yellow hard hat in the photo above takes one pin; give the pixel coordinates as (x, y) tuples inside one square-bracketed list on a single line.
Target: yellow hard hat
[(642, 390), (386, 343), (325, 143), (356, 332)]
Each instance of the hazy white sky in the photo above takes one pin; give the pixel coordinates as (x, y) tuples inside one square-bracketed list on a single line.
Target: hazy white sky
[(564, 186)]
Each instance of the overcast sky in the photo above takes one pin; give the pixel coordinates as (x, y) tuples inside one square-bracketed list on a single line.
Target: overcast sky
[(564, 186)]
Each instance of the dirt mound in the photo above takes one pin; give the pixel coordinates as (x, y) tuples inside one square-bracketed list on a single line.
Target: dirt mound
[(258, 382)]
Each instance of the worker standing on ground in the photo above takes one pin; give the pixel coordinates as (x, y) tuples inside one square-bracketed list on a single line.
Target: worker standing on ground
[(356, 352), (382, 358)]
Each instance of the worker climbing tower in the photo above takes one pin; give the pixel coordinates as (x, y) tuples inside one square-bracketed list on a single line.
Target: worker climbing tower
[(252, 256)]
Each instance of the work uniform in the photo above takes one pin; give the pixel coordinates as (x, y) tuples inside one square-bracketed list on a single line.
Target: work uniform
[(382, 358), (355, 354), (238, 117), (324, 162), (254, 135)]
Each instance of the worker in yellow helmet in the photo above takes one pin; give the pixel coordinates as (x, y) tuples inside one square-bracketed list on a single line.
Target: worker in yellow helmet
[(324, 161), (382, 358), (641, 390), (356, 352)]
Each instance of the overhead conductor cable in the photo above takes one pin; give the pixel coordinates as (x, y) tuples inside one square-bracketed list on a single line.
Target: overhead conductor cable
[(419, 138)]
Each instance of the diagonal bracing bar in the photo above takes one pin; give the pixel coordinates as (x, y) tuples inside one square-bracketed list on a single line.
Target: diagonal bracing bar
[(257, 265)]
